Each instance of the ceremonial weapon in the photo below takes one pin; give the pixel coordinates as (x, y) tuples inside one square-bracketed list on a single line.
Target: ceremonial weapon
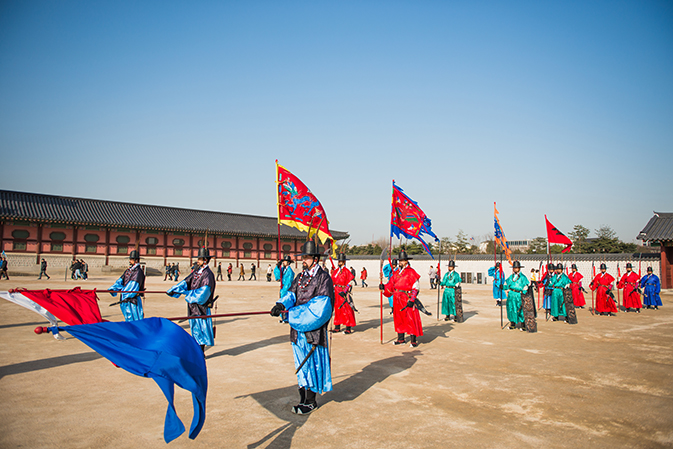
[(419, 305), (618, 298), (41, 329), (593, 278), (349, 300), (306, 358), (439, 267)]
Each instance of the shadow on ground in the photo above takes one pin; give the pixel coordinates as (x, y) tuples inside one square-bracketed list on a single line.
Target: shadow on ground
[(280, 401), (251, 346), (52, 362)]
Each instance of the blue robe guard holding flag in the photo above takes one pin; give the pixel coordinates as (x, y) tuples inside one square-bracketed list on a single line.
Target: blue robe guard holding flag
[(498, 283), (133, 280), (198, 288)]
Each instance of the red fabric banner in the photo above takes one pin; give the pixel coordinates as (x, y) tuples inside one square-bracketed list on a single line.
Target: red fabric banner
[(73, 307), (554, 236)]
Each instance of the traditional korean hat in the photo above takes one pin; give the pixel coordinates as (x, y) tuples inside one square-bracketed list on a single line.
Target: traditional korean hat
[(559, 266), (134, 255), (310, 249), (649, 269), (603, 266), (341, 257), (573, 266), (550, 266), (287, 258), (517, 264), (203, 254), (628, 265), (403, 256), (452, 263), (394, 261)]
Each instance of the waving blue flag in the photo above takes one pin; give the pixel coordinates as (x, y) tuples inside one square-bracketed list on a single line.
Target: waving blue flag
[(155, 348)]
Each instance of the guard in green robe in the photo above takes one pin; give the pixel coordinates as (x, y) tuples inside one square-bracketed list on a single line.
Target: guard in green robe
[(450, 282), (558, 282), (515, 285)]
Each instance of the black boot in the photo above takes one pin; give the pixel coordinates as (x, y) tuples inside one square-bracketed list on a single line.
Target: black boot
[(308, 405), (337, 329), (400, 339), (414, 343), (203, 348), (348, 330)]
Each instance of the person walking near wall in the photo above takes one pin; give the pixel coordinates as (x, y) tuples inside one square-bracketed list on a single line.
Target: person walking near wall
[(253, 272), (219, 272), (43, 269), (241, 275), (230, 270), (363, 277)]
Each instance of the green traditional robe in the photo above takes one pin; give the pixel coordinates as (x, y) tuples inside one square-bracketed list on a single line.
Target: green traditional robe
[(451, 279), (515, 285), (558, 282)]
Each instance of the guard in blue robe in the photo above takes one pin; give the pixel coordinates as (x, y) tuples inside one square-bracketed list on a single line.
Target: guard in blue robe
[(133, 280), (651, 289), (498, 283), (547, 281), (283, 273), (309, 302), (199, 289), (388, 271)]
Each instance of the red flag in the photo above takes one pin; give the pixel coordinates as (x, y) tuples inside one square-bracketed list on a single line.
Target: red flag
[(298, 207), (73, 307), (556, 236)]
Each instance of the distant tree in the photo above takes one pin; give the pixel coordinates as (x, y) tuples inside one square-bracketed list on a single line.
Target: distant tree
[(411, 248), (579, 236), (463, 245), (556, 249), (537, 246)]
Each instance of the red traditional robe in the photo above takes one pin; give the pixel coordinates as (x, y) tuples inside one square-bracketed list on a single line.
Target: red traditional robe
[(400, 285), (578, 296), (343, 314), (629, 282), (601, 283)]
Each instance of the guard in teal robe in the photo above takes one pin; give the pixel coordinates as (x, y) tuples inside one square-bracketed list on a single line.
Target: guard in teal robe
[(449, 282), (557, 283), (515, 285)]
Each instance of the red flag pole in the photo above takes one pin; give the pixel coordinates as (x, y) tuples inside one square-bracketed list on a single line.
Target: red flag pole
[(619, 300)]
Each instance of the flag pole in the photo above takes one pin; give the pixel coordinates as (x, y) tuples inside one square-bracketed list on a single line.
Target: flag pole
[(278, 206), (439, 265)]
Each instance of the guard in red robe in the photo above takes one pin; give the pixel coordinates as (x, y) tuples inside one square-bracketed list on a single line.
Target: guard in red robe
[(403, 287), (602, 284), (576, 287), (629, 282), (343, 312)]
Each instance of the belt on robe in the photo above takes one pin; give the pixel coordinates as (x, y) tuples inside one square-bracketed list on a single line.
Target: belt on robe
[(408, 292), (342, 286)]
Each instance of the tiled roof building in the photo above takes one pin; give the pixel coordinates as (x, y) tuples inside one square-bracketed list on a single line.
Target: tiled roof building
[(659, 230), (39, 224)]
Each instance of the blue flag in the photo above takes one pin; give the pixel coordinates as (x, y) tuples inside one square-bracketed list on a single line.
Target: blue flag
[(155, 348)]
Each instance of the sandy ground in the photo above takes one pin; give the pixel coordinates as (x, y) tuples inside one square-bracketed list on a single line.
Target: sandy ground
[(605, 382)]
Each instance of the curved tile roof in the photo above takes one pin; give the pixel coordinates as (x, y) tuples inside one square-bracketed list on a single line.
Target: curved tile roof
[(659, 228), (83, 211)]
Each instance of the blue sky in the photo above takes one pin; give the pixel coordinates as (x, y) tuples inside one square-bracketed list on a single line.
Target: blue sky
[(557, 108)]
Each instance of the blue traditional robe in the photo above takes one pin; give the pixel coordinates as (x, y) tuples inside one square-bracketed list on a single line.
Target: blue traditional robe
[(651, 288), (547, 290), (198, 288), (388, 272), (310, 303), (131, 304), (498, 282), (285, 275)]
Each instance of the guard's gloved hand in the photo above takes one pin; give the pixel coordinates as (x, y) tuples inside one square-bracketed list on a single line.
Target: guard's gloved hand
[(275, 311), (410, 304), (342, 294), (382, 287)]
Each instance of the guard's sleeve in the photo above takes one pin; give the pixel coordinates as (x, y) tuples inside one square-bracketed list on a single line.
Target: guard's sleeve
[(311, 315), (131, 286), (276, 273), (387, 270), (288, 300), (116, 286), (178, 289), (491, 271), (445, 280), (505, 285), (657, 288), (200, 295)]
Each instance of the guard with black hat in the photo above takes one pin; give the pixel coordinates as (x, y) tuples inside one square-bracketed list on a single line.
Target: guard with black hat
[(309, 302), (199, 291), (546, 281), (133, 280), (557, 302), (283, 273), (451, 283), (629, 282), (576, 287), (343, 308), (602, 284), (403, 286), (516, 285), (498, 279), (651, 288)]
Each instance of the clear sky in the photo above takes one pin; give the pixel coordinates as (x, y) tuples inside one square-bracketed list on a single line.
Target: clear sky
[(557, 108)]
